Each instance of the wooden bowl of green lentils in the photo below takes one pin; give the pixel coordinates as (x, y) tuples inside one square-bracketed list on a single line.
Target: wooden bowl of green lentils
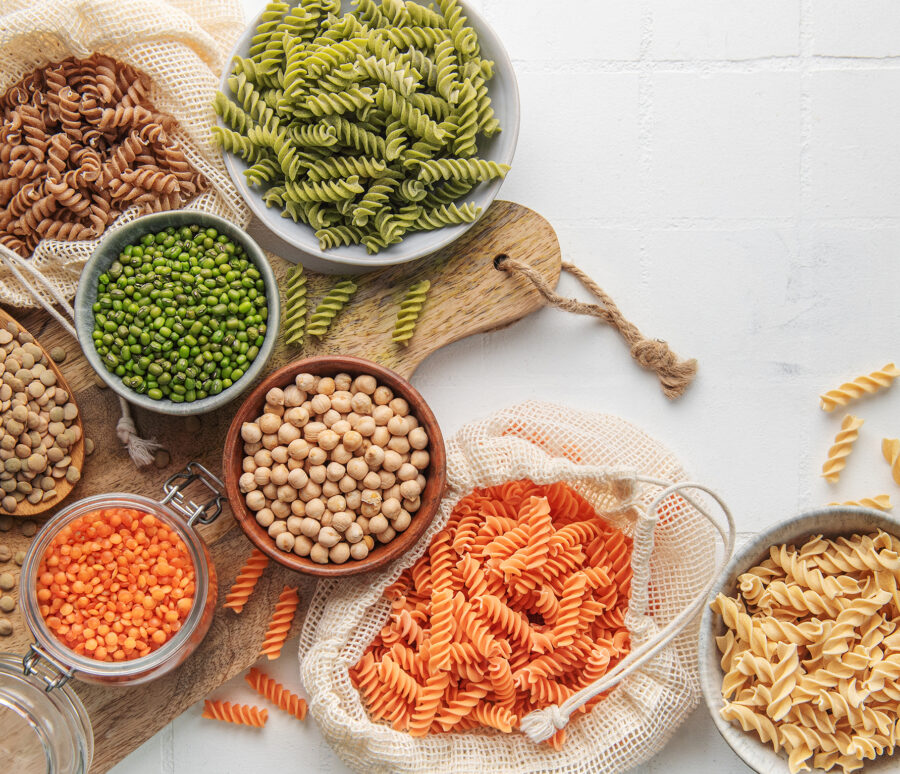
[(178, 312)]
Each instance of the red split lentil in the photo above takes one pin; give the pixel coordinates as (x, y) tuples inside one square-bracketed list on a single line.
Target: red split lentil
[(115, 584)]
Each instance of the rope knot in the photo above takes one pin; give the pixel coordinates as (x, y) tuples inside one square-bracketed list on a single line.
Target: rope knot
[(539, 725), (674, 374)]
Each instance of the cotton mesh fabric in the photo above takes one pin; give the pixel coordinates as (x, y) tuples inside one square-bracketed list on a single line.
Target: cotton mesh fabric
[(546, 443), (182, 45)]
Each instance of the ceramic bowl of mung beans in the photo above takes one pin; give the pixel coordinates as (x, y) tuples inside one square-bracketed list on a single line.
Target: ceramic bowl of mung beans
[(178, 312)]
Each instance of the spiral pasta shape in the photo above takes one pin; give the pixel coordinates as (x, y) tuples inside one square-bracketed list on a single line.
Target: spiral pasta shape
[(409, 312), (470, 170), (275, 692), (242, 714), (329, 307), (488, 651), (246, 580), (890, 450), (843, 445), (280, 623), (880, 502), (859, 387), (294, 326)]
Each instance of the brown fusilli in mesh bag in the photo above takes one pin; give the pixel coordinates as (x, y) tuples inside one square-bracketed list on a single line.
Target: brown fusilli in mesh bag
[(181, 46), (640, 488)]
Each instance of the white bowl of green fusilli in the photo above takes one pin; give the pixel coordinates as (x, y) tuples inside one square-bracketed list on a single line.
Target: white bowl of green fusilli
[(370, 133)]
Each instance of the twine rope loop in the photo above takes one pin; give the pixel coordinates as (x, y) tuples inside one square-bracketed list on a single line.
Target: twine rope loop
[(675, 374)]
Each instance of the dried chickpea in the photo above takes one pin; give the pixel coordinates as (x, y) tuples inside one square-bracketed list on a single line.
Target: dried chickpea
[(319, 554), (293, 522), (419, 459), (302, 545), (366, 427), (335, 471), (269, 423), (336, 503), (293, 396), (325, 521), (346, 485), (359, 550), (353, 533), (298, 450), (400, 445), (276, 528), (330, 489), (285, 541), (364, 383), (317, 456), (378, 524), (342, 520), (298, 508), (410, 490), (339, 553), (402, 521), (357, 468), (412, 505), (328, 440), (371, 480), (250, 432), (381, 437), (256, 500), (317, 473), (387, 479), (353, 500), (305, 382), (386, 536), (320, 404), (382, 415), (391, 508), (310, 527), (342, 381), (382, 395), (330, 418), (297, 416), (392, 461), (315, 508), (328, 536)]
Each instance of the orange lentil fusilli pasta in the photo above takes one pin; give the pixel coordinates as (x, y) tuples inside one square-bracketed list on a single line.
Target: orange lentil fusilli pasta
[(275, 692), (518, 603), (245, 581), (244, 714), (280, 625)]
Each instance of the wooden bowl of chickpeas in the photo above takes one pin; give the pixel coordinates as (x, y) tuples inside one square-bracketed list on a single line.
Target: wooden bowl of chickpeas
[(334, 466)]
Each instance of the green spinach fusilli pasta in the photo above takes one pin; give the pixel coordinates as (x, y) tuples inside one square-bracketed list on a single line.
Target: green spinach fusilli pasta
[(410, 309), (294, 325), (329, 307), (363, 126)]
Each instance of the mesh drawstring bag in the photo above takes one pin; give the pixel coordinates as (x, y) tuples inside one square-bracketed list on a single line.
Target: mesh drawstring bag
[(182, 45), (678, 550)]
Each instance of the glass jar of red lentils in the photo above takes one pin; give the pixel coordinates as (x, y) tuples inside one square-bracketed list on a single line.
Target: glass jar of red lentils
[(115, 589)]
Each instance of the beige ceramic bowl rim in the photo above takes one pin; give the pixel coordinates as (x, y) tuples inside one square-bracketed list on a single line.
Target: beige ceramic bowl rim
[(485, 193), (830, 521)]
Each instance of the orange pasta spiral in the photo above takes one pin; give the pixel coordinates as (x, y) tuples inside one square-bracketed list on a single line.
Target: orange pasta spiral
[(83, 131), (280, 625), (275, 692), (518, 603), (245, 581), (244, 714)]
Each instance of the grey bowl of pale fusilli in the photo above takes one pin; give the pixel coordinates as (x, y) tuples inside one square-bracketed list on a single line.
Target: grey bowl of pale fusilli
[(784, 634)]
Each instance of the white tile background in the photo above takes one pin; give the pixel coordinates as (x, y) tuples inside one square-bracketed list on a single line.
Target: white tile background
[(729, 172)]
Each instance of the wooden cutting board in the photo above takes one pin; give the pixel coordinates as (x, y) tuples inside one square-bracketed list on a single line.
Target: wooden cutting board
[(468, 295)]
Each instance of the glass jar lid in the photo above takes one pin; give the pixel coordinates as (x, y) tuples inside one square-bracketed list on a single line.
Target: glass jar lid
[(43, 730)]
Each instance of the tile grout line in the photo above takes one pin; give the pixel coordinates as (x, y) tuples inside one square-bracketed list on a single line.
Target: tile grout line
[(167, 749), (645, 142), (803, 226)]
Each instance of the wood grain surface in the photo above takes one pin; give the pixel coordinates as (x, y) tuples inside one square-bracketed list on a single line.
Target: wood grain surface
[(76, 452), (468, 296)]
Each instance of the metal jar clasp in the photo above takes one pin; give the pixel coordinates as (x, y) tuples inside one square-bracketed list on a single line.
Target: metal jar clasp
[(54, 675), (205, 513)]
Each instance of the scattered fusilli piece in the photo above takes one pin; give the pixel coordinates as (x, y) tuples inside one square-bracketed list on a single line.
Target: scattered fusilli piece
[(329, 307), (843, 445), (519, 601), (280, 625), (410, 309), (294, 325), (890, 448), (880, 502), (862, 385), (243, 714), (245, 581), (276, 693), (811, 652)]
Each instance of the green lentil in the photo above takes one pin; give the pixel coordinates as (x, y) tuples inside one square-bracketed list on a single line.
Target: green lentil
[(180, 315)]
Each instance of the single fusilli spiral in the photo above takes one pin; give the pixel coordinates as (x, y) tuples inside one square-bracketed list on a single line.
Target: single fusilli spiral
[(245, 581), (276, 693), (880, 502), (329, 307), (410, 311), (890, 449), (243, 714), (294, 326), (280, 624), (862, 385), (843, 445)]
